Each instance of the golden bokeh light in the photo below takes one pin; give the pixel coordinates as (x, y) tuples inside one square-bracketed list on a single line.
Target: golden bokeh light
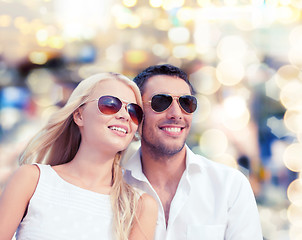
[(205, 81), (286, 74), (293, 120), (179, 35), (37, 86), (291, 96), (294, 214), (295, 232), (129, 3), (292, 157), (170, 4), (203, 110), (155, 3), (38, 57), (234, 106), (294, 192), (213, 143), (231, 47), (230, 72), (226, 159), (5, 20), (237, 123)]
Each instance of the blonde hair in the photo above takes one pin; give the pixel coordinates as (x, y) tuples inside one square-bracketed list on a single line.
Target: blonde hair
[(59, 141)]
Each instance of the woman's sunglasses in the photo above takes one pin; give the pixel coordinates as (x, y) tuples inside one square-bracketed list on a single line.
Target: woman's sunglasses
[(110, 105), (162, 102)]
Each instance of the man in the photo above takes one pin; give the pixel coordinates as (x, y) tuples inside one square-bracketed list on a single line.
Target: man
[(198, 198)]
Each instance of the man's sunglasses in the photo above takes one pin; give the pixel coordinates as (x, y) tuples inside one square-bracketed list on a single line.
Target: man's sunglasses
[(162, 102), (110, 105)]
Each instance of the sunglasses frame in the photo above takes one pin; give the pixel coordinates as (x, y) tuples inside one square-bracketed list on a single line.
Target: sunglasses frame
[(123, 103), (173, 97)]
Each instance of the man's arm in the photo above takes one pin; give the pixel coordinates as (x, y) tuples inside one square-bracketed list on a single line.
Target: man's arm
[(243, 216)]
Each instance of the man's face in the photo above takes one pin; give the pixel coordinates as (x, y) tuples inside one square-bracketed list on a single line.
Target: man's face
[(165, 133)]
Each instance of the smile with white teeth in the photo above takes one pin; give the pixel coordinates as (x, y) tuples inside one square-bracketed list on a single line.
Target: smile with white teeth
[(118, 129), (174, 129)]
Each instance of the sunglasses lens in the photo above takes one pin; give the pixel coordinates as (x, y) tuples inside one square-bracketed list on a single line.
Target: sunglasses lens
[(109, 104), (188, 103), (135, 112), (161, 102)]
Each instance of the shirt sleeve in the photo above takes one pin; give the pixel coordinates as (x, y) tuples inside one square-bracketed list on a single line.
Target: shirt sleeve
[(243, 217)]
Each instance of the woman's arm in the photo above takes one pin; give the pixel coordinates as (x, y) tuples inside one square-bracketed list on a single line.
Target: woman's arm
[(15, 198), (145, 223)]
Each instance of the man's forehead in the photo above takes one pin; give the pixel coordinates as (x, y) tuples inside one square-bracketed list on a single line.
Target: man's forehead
[(166, 84)]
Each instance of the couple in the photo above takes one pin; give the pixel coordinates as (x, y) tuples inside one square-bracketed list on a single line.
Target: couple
[(79, 191)]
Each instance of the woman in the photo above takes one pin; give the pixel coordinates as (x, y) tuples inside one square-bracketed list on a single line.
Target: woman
[(79, 192)]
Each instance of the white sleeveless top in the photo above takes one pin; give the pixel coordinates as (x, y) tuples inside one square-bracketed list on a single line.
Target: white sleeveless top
[(59, 210)]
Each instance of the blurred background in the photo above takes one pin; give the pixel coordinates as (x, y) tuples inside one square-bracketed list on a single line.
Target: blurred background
[(244, 59)]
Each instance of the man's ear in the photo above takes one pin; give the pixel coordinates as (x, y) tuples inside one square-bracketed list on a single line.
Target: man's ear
[(78, 117)]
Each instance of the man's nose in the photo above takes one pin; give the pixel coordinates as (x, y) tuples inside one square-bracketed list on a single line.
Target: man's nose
[(174, 110)]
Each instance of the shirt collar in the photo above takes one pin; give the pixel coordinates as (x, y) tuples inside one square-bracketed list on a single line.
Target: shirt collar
[(134, 166), (194, 163)]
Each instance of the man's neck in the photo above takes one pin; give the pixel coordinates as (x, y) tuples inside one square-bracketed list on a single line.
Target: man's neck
[(164, 174)]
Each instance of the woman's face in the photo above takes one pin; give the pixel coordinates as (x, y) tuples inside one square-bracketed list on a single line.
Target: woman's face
[(107, 133)]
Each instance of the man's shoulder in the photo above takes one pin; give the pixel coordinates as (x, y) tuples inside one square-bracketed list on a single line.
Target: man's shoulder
[(211, 167)]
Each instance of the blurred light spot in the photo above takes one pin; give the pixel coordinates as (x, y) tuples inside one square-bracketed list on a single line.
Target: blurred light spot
[(295, 232), (295, 35), (42, 36), (135, 56), (205, 81), (155, 3), (226, 159), (19, 22), (237, 123), (135, 21), (291, 96), (287, 73), (184, 51), (234, 106), (204, 3), (38, 57), (170, 4), (179, 35), (295, 55), (294, 192), (230, 72), (114, 53), (293, 120), (185, 14), (203, 109), (5, 20), (160, 50), (244, 24), (213, 143), (9, 117), (293, 157), (162, 24), (40, 81), (287, 14), (297, 3), (294, 214), (56, 42), (129, 3), (231, 47)]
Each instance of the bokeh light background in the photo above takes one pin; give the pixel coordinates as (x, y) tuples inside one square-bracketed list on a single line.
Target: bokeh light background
[(244, 58)]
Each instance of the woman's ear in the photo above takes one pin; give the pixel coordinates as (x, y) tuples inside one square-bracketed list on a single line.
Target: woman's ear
[(78, 117)]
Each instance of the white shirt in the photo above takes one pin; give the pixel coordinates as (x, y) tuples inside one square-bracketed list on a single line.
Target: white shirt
[(212, 202), (59, 210)]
